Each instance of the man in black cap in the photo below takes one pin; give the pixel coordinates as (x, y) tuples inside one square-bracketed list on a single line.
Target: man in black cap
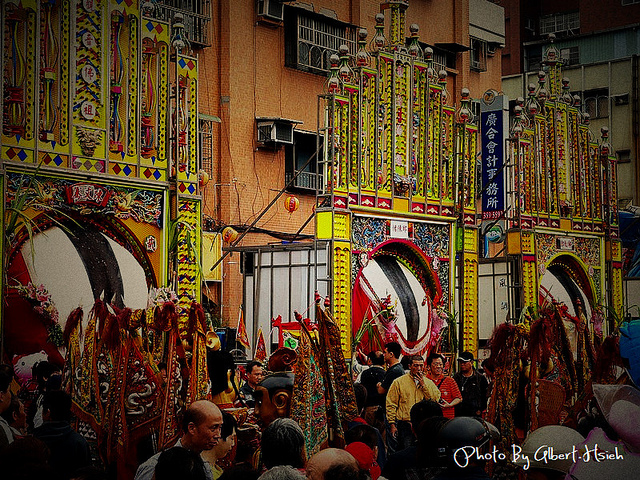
[(473, 387)]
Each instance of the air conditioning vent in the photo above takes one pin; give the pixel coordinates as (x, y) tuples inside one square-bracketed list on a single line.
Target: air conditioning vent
[(275, 131), (270, 10)]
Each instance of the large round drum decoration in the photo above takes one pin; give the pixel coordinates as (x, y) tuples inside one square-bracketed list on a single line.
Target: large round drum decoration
[(59, 270), (398, 288), (565, 282)]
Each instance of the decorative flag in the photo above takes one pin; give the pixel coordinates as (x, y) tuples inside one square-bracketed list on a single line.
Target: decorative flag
[(241, 335), (261, 348)]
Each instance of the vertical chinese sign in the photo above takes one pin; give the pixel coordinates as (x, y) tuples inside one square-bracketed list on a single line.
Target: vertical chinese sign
[(493, 121)]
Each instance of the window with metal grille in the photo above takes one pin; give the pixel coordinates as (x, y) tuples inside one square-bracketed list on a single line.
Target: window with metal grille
[(596, 102), (310, 40), (442, 59), (560, 23), (570, 55), (296, 155), (197, 15), (205, 137), (478, 54)]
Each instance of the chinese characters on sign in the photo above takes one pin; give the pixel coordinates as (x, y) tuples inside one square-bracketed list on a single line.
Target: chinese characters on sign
[(399, 229), (85, 193), (492, 136), (565, 243)]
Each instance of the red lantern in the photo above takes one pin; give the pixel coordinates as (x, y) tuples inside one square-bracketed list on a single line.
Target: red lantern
[(291, 203), (229, 235)]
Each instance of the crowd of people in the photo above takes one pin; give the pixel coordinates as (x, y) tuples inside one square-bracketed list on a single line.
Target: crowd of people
[(415, 421)]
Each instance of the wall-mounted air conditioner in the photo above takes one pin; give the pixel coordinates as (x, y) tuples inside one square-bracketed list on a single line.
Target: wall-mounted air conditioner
[(270, 10), (274, 131)]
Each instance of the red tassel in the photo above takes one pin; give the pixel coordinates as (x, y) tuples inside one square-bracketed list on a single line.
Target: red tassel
[(73, 320), (191, 323), (608, 357), (540, 338), (102, 313), (499, 343), (174, 316), (114, 324), (125, 318), (169, 317), (200, 316)]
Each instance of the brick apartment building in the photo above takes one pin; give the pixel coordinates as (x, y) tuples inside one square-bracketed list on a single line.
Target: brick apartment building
[(266, 66)]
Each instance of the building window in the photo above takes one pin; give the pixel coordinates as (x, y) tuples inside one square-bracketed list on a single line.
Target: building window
[(205, 137), (596, 102), (310, 40), (283, 279), (442, 59), (197, 15), (296, 155), (570, 55), (478, 54), (560, 23), (533, 59)]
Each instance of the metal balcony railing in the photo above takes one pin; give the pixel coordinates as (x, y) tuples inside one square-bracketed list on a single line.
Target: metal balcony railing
[(306, 180)]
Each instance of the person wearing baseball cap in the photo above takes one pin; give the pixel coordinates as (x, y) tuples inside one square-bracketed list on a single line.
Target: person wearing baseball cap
[(473, 387)]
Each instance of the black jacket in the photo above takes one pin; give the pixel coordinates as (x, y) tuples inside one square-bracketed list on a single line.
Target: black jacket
[(69, 449), (474, 393)]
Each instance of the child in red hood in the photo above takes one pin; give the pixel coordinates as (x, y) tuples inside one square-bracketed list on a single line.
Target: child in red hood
[(366, 458)]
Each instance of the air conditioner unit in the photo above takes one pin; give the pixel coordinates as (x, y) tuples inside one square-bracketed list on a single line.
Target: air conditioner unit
[(622, 99), (270, 10), (275, 131)]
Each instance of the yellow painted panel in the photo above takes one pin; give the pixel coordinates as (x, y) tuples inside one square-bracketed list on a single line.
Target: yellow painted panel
[(211, 253), (324, 225), (471, 240), (513, 243), (341, 226), (401, 204)]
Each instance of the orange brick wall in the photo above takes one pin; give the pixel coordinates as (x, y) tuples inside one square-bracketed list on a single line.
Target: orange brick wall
[(243, 77)]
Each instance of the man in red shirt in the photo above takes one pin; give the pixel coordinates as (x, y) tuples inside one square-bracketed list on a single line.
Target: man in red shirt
[(449, 391)]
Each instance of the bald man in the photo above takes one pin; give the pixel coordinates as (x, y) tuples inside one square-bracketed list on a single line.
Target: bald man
[(201, 426), (332, 463)]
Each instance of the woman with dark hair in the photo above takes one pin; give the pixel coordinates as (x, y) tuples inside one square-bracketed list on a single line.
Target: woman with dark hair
[(224, 446)]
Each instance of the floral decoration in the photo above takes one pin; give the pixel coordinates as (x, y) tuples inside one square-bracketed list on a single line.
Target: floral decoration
[(160, 296), (41, 301)]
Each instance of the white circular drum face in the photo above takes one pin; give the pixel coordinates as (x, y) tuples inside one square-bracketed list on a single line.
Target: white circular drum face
[(384, 275), (78, 272), (556, 284)]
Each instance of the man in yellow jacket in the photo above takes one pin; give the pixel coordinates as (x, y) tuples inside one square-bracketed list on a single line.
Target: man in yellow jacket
[(404, 393)]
